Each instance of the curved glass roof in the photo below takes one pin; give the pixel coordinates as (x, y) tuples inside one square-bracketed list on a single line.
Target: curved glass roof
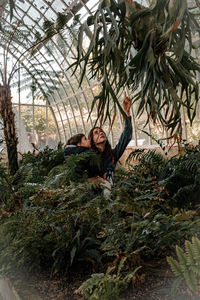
[(48, 102)]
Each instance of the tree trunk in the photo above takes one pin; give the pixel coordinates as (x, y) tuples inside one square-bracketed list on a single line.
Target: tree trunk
[(8, 118)]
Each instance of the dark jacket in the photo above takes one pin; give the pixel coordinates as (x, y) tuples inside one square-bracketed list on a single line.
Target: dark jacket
[(73, 149), (108, 160), (88, 163)]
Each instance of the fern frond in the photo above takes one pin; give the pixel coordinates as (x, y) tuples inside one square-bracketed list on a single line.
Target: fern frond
[(188, 266), (182, 258), (175, 266), (191, 280), (189, 254), (176, 284), (196, 248)]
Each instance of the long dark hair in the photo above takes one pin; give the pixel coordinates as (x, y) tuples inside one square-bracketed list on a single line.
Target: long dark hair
[(108, 148), (75, 139)]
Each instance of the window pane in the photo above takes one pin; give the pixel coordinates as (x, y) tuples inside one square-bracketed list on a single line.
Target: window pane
[(40, 128), (53, 137)]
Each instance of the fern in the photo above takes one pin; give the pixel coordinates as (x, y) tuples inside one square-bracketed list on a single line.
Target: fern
[(196, 248), (181, 179), (181, 257), (106, 286), (150, 159), (188, 265), (190, 256), (41, 82), (175, 266), (6, 187)]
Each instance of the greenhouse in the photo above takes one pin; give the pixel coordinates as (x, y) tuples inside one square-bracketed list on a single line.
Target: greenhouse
[(114, 211)]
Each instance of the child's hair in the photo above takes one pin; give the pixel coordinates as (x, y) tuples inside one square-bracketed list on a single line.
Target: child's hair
[(75, 139)]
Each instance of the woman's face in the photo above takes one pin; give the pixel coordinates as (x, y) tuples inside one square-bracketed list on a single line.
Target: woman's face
[(84, 142), (99, 136)]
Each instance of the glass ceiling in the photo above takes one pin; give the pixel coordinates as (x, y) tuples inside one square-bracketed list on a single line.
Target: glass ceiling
[(48, 102)]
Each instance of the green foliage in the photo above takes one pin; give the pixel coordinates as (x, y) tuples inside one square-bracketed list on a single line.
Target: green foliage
[(40, 82), (52, 230), (67, 172), (56, 28), (6, 188), (48, 167), (35, 167), (58, 221), (148, 159), (106, 286), (11, 10), (188, 265), (144, 49), (143, 233), (181, 179), (177, 178)]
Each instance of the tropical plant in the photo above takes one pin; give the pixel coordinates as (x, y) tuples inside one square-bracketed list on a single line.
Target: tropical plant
[(34, 168), (6, 110), (136, 233), (148, 50), (181, 177), (187, 267), (6, 187), (52, 230), (106, 286), (65, 173), (40, 80), (3, 4), (150, 160), (59, 223), (177, 177)]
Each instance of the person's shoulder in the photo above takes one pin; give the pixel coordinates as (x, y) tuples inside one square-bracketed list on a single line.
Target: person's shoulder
[(71, 149), (89, 150), (70, 146)]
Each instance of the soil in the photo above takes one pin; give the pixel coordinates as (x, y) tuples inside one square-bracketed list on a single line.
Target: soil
[(155, 286)]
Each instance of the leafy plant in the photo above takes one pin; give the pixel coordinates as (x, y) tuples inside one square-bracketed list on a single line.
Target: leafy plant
[(187, 267), (67, 172), (40, 82), (106, 286), (62, 223), (11, 10), (51, 231), (144, 49), (147, 159), (180, 177), (143, 233), (34, 168), (175, 179), (6, 187)]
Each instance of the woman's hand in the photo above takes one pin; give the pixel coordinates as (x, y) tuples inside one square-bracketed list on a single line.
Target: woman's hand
[(126, 105)]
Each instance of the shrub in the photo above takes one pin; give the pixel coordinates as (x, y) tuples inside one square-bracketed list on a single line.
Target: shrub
[(188, 265), (106, 286)]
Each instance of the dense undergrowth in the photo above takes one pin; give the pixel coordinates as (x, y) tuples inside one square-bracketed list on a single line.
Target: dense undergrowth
[(52, 220)]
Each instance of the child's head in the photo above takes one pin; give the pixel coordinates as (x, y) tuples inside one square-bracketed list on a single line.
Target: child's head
[(79, 140)]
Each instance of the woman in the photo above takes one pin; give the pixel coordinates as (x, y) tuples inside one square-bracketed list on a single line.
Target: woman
[(100, 144)]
